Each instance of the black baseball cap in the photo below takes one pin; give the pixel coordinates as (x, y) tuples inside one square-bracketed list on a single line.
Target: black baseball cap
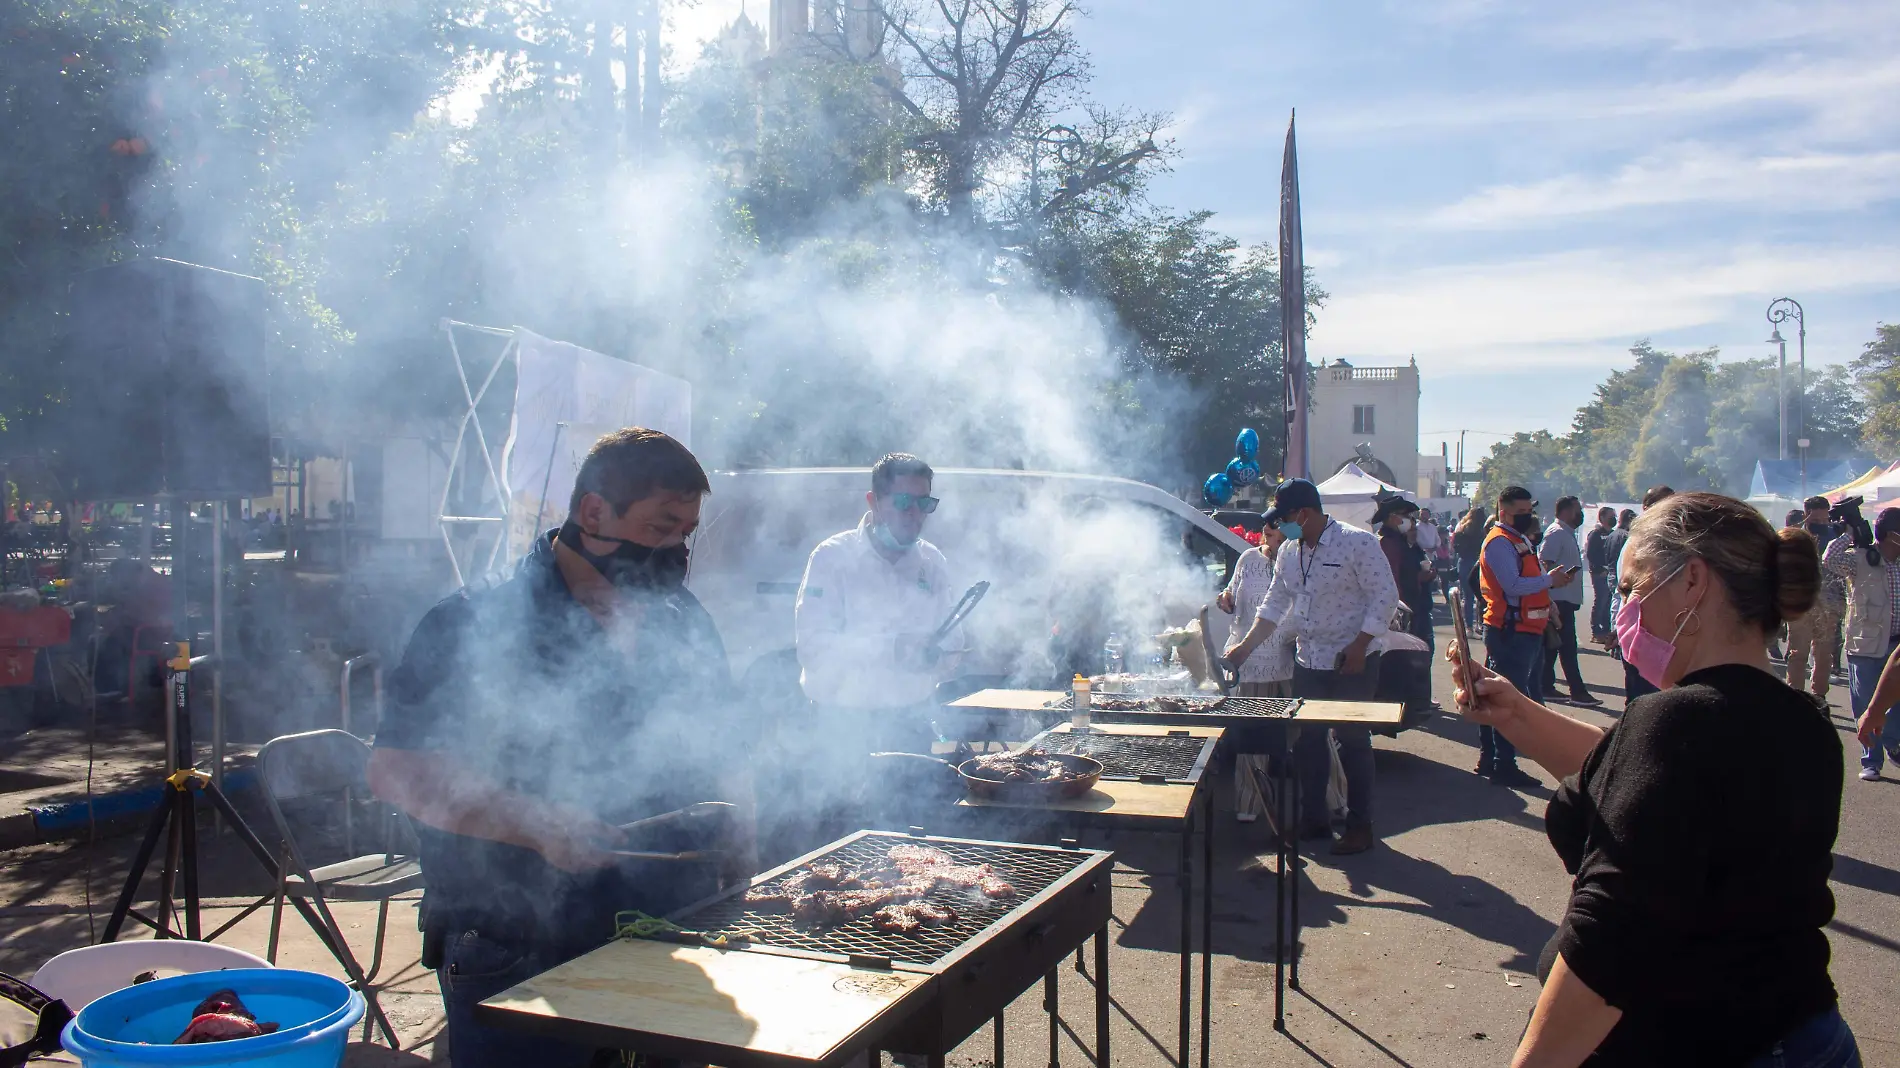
[(1289, 497)]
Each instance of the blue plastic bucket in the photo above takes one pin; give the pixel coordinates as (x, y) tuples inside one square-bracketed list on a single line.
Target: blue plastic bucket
[(135, 1026)]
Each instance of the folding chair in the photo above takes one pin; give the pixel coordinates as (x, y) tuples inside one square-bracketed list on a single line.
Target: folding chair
[(333, 762)]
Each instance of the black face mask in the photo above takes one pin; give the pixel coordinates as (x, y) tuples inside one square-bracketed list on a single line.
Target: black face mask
[(630, 564), (1525, 523)]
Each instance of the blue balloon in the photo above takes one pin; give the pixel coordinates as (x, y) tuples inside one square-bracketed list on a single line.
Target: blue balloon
[(1243, 472), (1247, 445), (1218, 490)]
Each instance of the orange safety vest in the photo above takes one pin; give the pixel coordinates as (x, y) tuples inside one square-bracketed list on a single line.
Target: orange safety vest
[(1532, 612)]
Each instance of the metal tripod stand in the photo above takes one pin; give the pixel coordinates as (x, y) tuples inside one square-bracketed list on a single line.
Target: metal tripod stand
[(176, 820)]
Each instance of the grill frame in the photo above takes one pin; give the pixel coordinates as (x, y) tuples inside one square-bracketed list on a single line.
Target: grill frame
[(988, 969), (1229, 714), (1203, 752), (857, 940)]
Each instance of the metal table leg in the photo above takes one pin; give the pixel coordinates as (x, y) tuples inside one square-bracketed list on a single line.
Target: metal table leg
[(1184, 883), (1288, 844), (1207, 922), (1101, 997), (1049, 1005), (1293, 877)]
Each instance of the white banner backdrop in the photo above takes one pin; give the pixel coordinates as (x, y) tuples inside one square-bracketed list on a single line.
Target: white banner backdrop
[(566, 397)]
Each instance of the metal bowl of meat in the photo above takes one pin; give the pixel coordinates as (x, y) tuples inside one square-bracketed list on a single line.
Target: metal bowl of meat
[(1025, 777)]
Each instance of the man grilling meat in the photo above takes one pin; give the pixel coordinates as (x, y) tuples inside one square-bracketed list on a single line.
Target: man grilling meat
[(871, 600), (534, 712)]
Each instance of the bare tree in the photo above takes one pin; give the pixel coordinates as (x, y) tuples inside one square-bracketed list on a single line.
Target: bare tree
[(987, 82)]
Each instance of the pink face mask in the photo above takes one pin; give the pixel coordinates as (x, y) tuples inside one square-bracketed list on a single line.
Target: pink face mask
[(1645, 652)]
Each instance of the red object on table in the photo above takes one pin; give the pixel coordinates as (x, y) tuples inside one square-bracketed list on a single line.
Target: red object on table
[(16, 666), (35, 628)]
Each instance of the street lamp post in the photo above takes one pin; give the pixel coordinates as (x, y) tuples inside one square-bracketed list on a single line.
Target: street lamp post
[(1780, 310)]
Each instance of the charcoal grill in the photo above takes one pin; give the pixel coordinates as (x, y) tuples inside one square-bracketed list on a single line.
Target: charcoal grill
[(991, 954), (1202, 711), (1174, 757)]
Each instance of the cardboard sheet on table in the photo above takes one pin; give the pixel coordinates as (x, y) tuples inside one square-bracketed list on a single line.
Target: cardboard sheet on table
[(779, 1006)]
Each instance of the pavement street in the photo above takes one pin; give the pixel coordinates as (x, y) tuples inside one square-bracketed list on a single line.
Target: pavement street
[(1418, 953)]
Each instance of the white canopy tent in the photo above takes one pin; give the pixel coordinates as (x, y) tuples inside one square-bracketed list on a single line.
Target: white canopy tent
[(1351, 495)]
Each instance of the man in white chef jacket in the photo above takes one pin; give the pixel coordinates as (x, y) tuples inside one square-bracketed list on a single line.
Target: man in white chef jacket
[(871, 599)]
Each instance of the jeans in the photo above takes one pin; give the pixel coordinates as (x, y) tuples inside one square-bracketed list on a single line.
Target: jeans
[(1821, 1041), (1519, 658), (475, 968), (1470, 591), (1566, 652), (1862, 673), (1599, 603), (1313, 760)]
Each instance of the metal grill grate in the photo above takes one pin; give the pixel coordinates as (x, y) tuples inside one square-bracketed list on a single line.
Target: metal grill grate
[(1177, 759), (1233, 707), (1030, 871)]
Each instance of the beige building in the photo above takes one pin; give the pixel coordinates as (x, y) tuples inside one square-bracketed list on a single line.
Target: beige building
[(1366, 413)]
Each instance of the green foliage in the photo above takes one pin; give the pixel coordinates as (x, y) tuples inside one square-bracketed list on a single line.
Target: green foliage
[(1694, 421)]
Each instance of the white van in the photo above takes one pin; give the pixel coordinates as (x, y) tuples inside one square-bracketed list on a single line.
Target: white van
[(1070, 559)]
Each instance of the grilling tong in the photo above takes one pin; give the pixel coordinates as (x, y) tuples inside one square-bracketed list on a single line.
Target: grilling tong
[(709, 818), (933, 649)]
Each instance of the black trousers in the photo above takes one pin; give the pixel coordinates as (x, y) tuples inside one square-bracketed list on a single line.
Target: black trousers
[(1566, 651)]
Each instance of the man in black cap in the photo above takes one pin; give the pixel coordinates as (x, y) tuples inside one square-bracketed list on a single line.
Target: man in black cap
[(1332, 584)]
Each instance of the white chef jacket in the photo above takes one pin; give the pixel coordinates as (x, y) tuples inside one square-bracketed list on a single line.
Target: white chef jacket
[(854, 605), (1331, 594)]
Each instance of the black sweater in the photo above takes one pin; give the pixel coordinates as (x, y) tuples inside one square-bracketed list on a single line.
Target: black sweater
[(1701, 834)]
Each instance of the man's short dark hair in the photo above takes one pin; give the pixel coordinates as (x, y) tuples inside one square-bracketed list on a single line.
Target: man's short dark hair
[(1795, 515), (1816, 501), (1606, 510), (633, 464), (1567, 501), (1626, 517), (896, 465), (1513, 493), (1657, 495)]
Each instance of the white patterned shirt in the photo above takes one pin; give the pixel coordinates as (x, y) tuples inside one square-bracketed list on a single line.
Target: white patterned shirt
[(1331, 594), (1273, 661)]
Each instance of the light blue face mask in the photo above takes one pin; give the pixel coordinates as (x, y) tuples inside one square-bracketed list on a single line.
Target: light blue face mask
[(888, 541), (1290, 530)]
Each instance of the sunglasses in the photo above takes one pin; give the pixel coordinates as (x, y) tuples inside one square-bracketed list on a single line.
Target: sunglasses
[(904, 502)]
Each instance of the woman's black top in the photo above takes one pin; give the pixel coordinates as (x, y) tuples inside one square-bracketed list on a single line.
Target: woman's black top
[(1701, 833)]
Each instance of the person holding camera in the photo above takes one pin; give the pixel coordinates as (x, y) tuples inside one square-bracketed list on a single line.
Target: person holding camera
[(1868, 564), (1696, 927)]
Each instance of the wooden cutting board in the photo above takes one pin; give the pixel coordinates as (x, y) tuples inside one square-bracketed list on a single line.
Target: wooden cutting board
[(1356, 713), (727, 1006), (1011, 700)]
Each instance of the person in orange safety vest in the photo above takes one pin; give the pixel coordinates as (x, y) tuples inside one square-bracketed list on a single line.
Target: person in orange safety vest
[(1516, 611)]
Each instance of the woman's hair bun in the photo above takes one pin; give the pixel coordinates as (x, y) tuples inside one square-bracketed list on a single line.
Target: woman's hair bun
[(1797, 572)]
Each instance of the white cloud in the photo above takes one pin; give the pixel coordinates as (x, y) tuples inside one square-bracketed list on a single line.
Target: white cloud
[(1689, 175), (1566, 308)]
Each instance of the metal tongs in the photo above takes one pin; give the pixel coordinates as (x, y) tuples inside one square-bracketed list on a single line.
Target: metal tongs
[(933, 648), (703, 815)]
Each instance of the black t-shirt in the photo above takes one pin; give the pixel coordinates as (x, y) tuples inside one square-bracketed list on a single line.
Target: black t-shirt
[(516, 681), (1701, 834)]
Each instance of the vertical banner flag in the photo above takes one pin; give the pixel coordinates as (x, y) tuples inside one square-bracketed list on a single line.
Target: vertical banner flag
[(1293, 313)]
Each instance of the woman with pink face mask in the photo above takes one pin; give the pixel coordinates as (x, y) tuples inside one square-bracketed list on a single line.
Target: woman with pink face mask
[(1694, 932)]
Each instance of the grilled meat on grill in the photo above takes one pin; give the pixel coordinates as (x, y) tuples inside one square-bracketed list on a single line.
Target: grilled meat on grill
[(768, 899), (995, 887), (1174, 705), (830, 908), (910, 858), (912, 917)]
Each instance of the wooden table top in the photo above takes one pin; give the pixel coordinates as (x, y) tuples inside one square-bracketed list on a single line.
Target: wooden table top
[(1117, 802), (1350, 713), (731, 1007)]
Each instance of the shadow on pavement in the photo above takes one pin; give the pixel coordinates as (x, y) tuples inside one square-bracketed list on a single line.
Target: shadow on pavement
[(1867, 876)]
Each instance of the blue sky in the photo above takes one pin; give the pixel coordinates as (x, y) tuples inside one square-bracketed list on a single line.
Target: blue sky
[(1514, 193)]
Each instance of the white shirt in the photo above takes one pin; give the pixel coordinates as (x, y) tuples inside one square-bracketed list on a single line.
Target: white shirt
[(1331, 594), (1560, 548), (1253, 576), (854, 606)]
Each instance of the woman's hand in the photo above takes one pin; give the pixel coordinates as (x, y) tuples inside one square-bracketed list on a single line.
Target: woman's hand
[(1871, 726), (1225, 602), (1495, 701)]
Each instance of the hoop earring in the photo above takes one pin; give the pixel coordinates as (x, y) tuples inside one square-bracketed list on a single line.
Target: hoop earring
[(1686, 617)]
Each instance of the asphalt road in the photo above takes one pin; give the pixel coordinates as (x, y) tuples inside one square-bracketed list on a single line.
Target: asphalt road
[(1418, 953)]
